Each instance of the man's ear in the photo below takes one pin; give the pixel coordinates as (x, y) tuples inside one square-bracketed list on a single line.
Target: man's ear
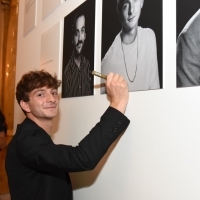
[(24, 105)]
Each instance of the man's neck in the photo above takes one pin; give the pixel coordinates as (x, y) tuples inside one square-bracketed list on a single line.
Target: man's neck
[(128, 37), (77, 60), (44, 123)]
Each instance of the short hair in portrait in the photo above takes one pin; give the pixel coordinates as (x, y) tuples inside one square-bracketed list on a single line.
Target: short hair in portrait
[(78, 51), (132, 42), (188, 37)]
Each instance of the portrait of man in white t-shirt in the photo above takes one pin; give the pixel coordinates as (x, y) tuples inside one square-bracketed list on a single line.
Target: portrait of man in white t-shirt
[(133, 53)]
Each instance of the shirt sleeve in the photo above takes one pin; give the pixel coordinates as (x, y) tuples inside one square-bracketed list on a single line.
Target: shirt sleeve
[(37, 151)]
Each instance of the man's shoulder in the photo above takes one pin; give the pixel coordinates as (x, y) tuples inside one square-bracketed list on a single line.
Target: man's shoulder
[(115, 46), (116, 42), (146, 36), (23, 131), (28, 123), (27, 127), (71, 61), (68, 68), (193, 22), (146, 32), (85, 62), (84, 58), (192, 27)]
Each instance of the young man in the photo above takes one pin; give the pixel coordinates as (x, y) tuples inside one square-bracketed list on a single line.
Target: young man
[(133, 53), (77, 78), (36, 167)]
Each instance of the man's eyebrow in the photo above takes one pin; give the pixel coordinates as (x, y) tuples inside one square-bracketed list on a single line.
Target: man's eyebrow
[(38, 90), (125, 1)]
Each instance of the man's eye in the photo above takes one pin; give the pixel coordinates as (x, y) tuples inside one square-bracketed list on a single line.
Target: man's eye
[(54, 93), (76, 33), (40, 94), (125, 6)]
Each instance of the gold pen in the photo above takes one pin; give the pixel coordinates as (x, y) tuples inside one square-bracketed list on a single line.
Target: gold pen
[(99, 75)]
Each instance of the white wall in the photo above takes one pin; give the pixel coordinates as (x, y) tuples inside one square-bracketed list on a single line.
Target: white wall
[(158, 156)]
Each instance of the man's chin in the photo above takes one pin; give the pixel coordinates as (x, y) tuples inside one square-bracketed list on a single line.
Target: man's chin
[(50, 117), (78, 52)]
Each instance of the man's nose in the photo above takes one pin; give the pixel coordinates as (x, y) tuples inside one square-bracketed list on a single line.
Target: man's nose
[(80, 38), (50, 98), (131, 7)]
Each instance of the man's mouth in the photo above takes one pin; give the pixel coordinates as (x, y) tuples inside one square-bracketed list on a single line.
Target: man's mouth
[(79, 45), (51, 107), (131, 18)]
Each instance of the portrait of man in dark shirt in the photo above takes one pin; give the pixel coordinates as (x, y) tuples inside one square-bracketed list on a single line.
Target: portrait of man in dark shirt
[(77, 74), (187, 46)]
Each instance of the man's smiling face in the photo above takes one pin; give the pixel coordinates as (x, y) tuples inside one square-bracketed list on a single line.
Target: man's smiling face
[(43, 103), (79, 35), (130, 14)]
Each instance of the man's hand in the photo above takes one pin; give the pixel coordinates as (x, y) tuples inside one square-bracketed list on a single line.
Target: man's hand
[(117, 91)]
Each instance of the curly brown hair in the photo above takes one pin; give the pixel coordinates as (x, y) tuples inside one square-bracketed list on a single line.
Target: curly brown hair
[(33, 80)]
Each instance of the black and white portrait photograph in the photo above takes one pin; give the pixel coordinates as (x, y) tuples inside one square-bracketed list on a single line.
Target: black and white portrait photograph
[(188, 43), (78, 51), (132, 42)]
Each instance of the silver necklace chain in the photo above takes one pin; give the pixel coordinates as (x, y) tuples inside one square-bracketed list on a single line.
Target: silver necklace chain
[(125, 61)]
